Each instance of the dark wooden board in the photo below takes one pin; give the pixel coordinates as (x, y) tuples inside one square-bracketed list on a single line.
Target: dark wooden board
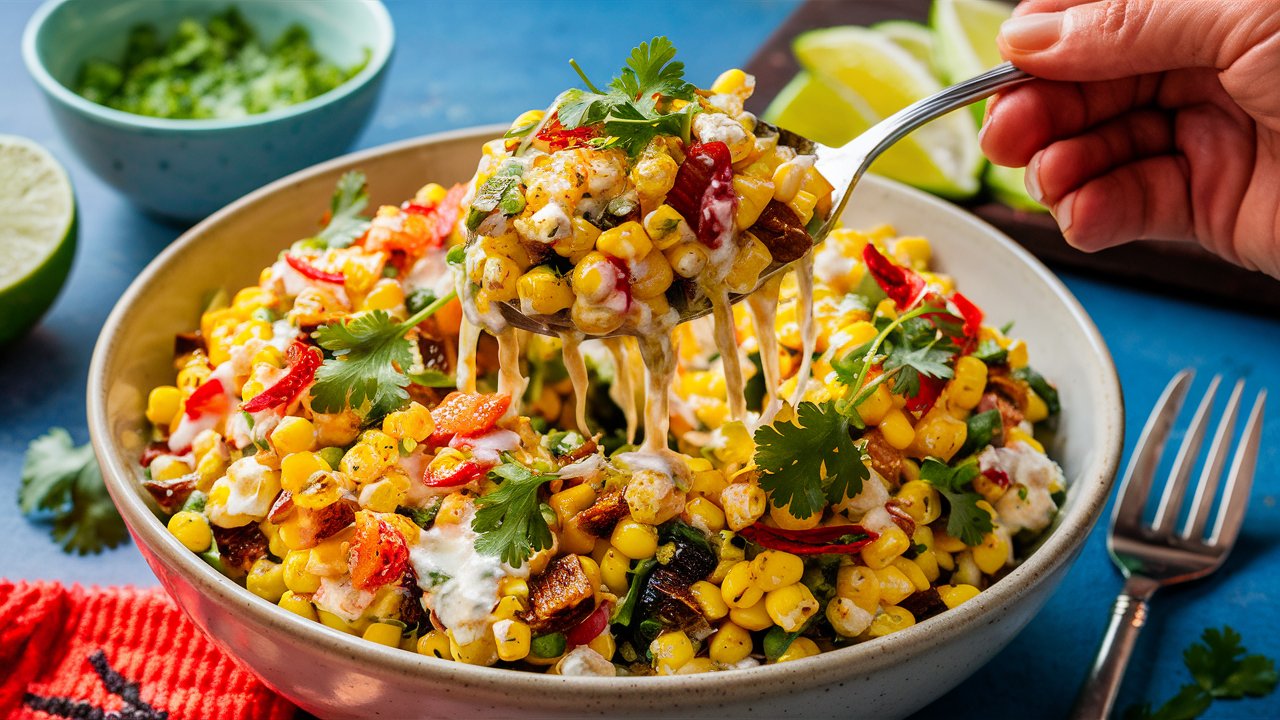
[(1180, 269)]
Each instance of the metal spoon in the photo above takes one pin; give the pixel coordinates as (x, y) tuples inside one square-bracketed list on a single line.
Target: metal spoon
[(842, 166)]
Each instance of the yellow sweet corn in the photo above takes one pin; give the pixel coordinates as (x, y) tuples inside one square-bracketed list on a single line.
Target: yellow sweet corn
[(543, 292)]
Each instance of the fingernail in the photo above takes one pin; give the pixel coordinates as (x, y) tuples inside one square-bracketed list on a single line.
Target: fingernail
[(1032, 178), (986, 117), (1032, 33), (1062, 213)]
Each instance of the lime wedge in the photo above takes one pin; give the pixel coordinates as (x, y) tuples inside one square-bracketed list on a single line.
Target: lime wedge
[(876, 77), (1007, 186), (37, 233), (913, 37), (966, 35)]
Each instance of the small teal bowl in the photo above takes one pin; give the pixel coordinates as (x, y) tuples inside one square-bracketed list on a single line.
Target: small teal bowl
[(186, 169)]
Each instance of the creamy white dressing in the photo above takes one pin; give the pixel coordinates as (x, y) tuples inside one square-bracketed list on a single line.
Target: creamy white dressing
[(659, 374), (468, 338), (188, 428), (571, 352), (808, 328), (283, 277), (763, 308), (338, 596), (582, 661), (459, 584), (1028, 504), (510, 381), (730, 359), (623, 390), (488, 448), (251, 489)]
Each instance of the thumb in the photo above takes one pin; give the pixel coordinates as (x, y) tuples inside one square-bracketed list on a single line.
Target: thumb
[(1111, 39)]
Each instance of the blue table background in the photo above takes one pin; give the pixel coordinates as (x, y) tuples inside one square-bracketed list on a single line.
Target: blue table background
[(456, 66)]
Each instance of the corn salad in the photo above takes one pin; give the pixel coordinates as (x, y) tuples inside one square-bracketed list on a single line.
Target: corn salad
[(313, 448)]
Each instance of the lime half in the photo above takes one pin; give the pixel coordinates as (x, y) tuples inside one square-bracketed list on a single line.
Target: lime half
[(875, 77), (37, 233)]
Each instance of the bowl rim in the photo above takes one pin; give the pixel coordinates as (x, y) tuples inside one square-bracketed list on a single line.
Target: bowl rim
[(1063, 543), (379, 57)]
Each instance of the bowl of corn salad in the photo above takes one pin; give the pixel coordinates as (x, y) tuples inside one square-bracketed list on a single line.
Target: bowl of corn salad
[(380, 504)]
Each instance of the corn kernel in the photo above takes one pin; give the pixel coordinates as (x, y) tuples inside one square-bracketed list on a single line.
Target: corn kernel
[(579, 243), (362, 463), (1015, 435), (730, 645), (296, 576), (688, 259), (897, 430), (703, 514), (293, 435), (627, 241), (298, 605), (791, 606), (847, 618), (733, 82), (434, 193), (993, 554), (434, 644), (774, 569), (385, 295), (594, 278), (965, 389), (803, 205), (1037, 410), (479, 652), (921, 501), (801, 647), (543, 292), (297, 468), (939, 435), (891, 620), (635, 540), (613, 571), (954, 595), (877, 406), (192, 530), (666, 227), (383, 634), (783, 518), (650, 276), (787, 180), (753, 257), (1017, 357), (881, 551), (859, 584), (709, 600), (755, 617), (743, 503), (739, 588), (162, 405), (512, 639), (753, 195), (671, 650)]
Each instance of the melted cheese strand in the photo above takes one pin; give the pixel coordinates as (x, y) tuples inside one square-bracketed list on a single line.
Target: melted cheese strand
[(577, 369), (763, 306), (808, 328), (510, 381), (623, 389), (730, 359), (659, 372)]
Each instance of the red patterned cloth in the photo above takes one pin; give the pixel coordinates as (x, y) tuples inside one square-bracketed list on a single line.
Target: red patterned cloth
[(116, 653)]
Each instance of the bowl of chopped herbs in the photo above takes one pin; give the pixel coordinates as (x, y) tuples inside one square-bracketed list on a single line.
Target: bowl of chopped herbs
[(185, 106)]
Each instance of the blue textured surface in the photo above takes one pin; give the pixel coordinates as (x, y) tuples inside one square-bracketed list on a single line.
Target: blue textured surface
[(456, 65)]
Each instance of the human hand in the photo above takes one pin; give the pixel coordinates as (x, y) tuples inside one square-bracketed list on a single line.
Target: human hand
[(1153, 119)]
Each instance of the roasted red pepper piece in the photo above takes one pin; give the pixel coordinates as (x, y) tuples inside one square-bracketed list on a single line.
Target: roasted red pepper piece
[(313, 272), (558, 137), (304, 360), (441, 217), (930, 389), (817, 541), (467, 414), (587, 630), (972, 315), (904, 286), (460, 474), (379, 553), (703, 192), (209, 397), (997, 476)]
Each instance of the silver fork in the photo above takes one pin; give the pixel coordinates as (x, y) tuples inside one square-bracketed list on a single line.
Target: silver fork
[(1151, 557)]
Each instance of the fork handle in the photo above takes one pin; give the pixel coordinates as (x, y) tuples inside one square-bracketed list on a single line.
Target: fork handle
[(1128, 615)]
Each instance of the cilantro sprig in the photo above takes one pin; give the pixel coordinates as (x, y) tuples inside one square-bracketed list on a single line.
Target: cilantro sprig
[(370, 356), (350, 198), (63, 480), (966, 521), (636, 106), (907, 348), (1222, 669), (792, 457), (510, 520)]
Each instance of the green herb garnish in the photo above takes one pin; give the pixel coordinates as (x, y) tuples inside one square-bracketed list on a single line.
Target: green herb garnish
[(217, 68), (631, 112), (967, 521), (793, 457), (350, 198), (1222, 670), (1047, 392), (63, 481), (510, 519), (370, 356)]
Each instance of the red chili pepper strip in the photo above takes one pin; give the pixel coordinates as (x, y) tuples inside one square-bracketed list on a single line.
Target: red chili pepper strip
[(972, 315), (304, 360), (379, 553), (930, 389), (460, 474), (467, 414), (997, 476), (313, 272), (817, 541), (903, 285), (587, 630), (209, 397), (558, 137)]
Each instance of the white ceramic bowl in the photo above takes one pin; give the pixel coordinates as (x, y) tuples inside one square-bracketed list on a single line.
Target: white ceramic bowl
[(334, 675)]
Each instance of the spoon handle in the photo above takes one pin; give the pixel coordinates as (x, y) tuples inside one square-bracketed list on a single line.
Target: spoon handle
[(900, 124)]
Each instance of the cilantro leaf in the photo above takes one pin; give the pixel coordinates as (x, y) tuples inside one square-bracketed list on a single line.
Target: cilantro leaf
[(350, 197), (912, 362), (792, 457), (1219, 665), (502, 190), (967, 521), (980, 427), (652, 70), (1047, 392), (367, 372), (509, 519), (1190, 702), (63, 480)]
